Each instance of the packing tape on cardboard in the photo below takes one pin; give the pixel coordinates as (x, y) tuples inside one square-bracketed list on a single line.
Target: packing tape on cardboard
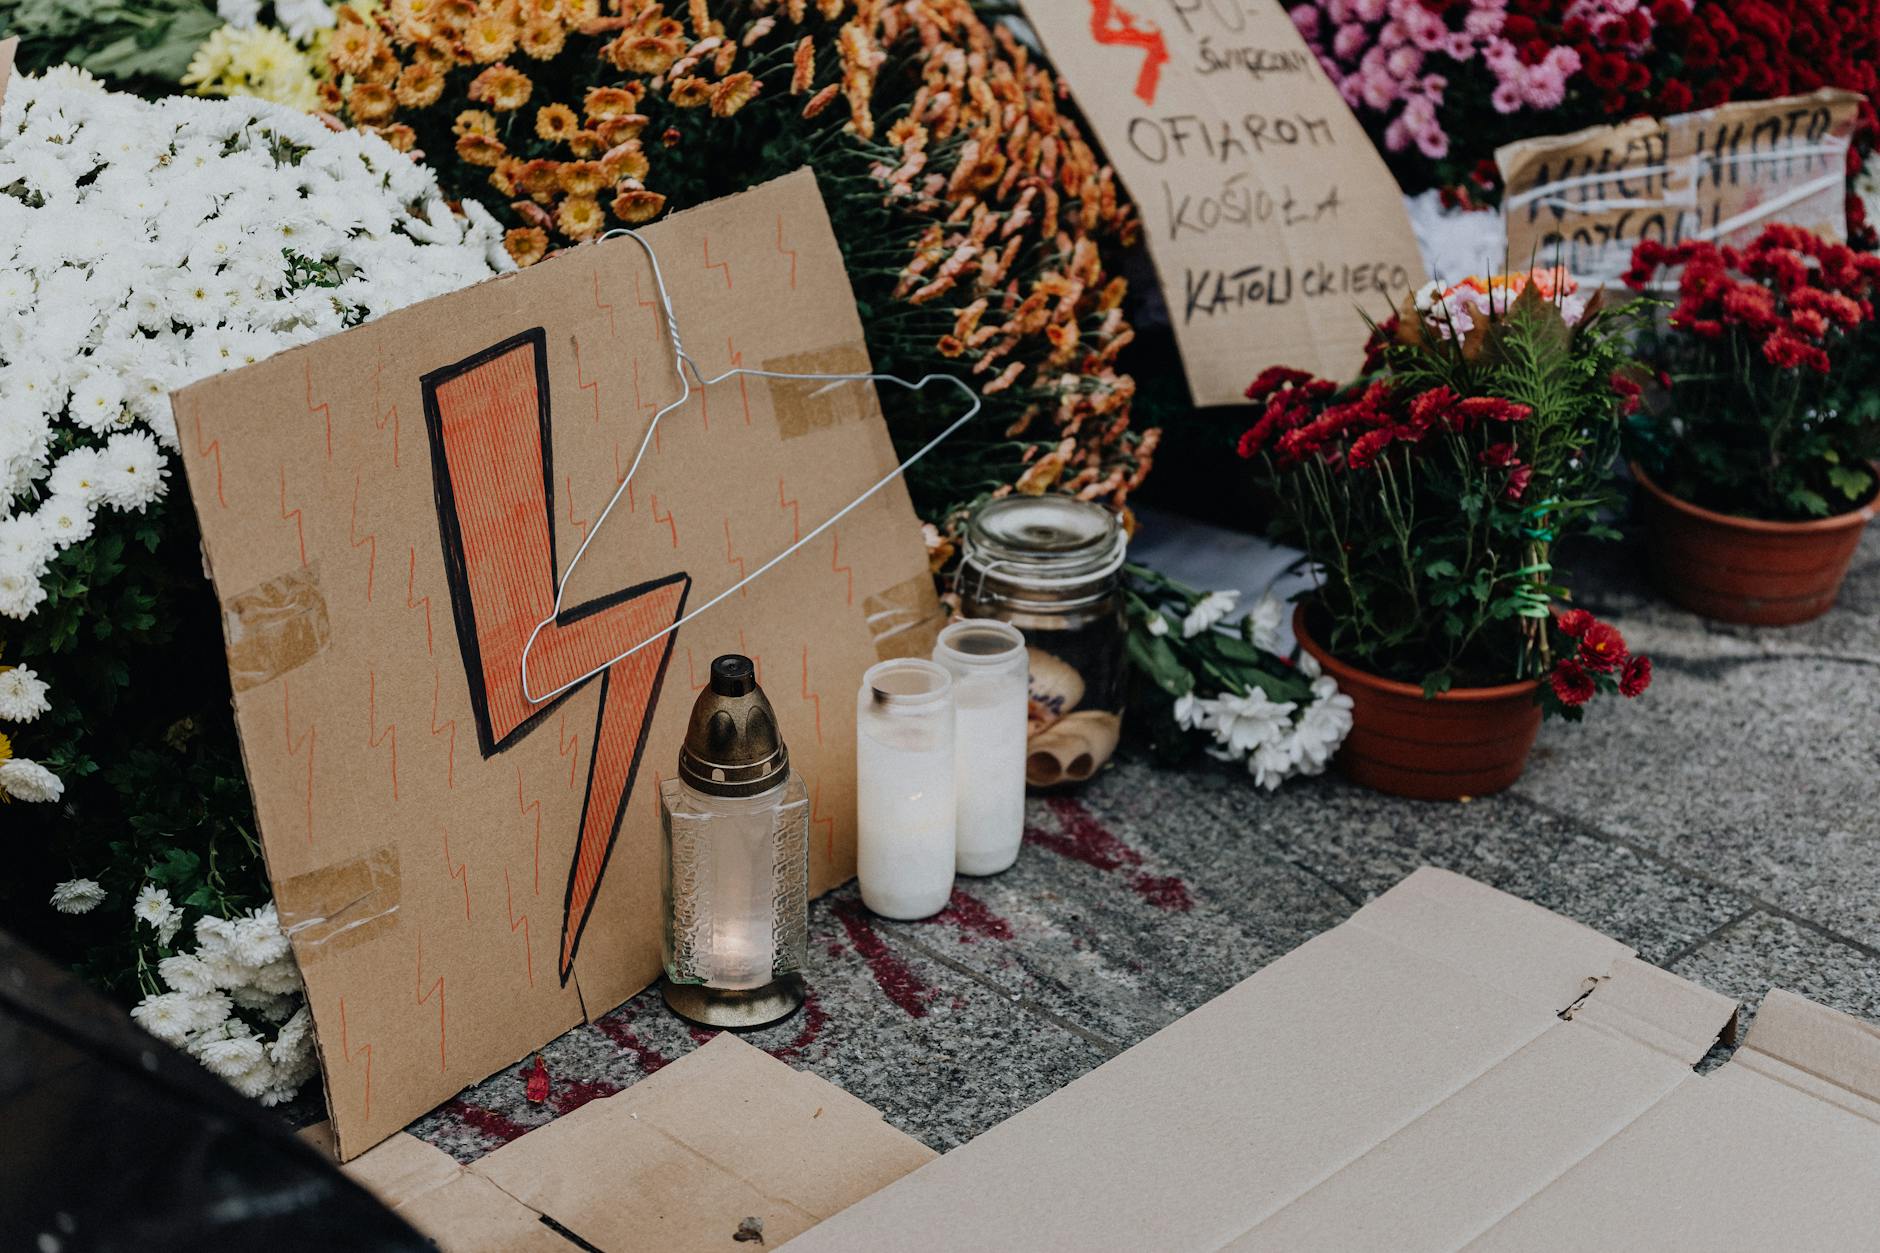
[(272, 628), (682, 362)]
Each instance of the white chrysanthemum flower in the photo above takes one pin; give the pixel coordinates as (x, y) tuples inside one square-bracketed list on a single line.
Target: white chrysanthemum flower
[(1209, 610), (167, 1015), (131, 471), (97, 403), (20, 589), (1265, 619), (65, 518), (257, 940), (1243, 723), (77, 474), (23, 541), (25, 780), (77, 896), (294, 1041), (22, 694), (280, 977), (153, 905), (230, 1056), (1158, 625), (1270, 765), (1193, 712), (185, 973)]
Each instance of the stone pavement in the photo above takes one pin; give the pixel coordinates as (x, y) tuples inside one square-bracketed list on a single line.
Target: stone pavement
[(1727, 825)]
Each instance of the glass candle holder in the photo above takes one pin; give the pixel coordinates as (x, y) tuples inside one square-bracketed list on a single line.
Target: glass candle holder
[(1051, 566), (905, 814), (735, 861), (989, 665)]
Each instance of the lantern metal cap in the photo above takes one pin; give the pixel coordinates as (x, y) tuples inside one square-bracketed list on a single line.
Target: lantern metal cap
[(732, 744)]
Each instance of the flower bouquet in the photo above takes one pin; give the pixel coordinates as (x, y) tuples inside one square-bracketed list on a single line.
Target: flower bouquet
[(142, 247), (1757, 458), (1227, 680), (1431, 494)]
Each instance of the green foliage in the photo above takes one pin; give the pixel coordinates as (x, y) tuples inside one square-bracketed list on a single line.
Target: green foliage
[(149, 40), (1437, 560)]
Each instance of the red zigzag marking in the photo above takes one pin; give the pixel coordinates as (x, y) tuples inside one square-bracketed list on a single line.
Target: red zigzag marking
[(375, 737), (211, 449), (372, 539), (461, 871), (519, 924), (417, 602), (293, 515), (346, 1051), (440, 728), (437, 990), (323, 409)]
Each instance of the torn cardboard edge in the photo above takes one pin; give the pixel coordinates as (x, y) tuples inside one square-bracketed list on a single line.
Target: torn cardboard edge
[(677, 1161), (8, 48), (1452, 1067)]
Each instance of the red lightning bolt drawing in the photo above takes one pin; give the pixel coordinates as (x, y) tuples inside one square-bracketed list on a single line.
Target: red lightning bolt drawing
[(488, 421)]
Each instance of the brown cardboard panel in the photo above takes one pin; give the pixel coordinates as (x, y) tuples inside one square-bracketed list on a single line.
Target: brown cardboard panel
[(1451, 1068), (1731, 1160), (1269, 214), (385, 514), (8, 47), (673, 1164), (1588, 198), (1543, 1109)]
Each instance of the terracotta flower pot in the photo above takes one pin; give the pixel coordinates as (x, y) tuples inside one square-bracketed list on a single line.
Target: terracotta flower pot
[(1737, 569), (1470, 741)]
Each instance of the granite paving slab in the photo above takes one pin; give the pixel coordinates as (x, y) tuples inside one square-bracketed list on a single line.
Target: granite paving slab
[(1761, 951)]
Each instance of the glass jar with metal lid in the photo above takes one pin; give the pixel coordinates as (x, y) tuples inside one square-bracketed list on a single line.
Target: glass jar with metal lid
[(1052, 567)]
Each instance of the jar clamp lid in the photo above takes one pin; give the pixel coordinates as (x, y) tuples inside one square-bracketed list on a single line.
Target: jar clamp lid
[(1043, 551), (732, 745)]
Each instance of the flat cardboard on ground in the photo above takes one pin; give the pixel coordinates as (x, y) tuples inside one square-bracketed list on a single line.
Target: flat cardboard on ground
[(1269, 214), (1451, 1068), (385, 513), (671, 1165), (1588, 198)]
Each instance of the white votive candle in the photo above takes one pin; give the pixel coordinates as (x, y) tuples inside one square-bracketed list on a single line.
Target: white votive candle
[(989, 665), (905, 788)]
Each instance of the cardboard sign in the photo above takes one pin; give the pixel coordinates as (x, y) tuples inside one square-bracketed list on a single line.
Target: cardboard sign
[(7, 48), (1270, 217), (1450, 1068), (724, 1137), (1589, 198), (385, 513)]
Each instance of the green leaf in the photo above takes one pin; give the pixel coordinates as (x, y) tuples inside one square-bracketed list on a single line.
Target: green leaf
[(1852, 482), (1152, 655)]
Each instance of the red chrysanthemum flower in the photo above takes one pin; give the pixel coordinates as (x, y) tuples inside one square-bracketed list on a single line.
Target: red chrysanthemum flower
[(1572, 684), (1637, 676), (1602, 647), (1574, 622)]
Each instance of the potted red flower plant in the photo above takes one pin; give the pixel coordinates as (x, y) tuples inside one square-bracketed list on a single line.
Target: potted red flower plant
[(1431, 494), (1756, 461)]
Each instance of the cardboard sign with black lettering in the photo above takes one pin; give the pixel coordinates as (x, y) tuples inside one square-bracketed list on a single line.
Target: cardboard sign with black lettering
[(1270, 216), (1588, 198)]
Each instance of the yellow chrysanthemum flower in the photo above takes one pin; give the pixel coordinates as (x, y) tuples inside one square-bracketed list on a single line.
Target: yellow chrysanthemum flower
[(580, 217), (260, 61)]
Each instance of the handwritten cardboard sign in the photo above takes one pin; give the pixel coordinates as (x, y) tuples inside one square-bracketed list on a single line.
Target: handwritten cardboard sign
[(1270, 217), (464, 872), (1589, 198)]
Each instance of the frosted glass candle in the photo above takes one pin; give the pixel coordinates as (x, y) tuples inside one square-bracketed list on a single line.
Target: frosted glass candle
[(989, 665), (904, 785)]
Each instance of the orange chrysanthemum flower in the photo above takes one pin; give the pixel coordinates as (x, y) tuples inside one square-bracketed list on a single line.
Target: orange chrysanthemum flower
[(821, 100), (555, 122), (401, 137), (371, 104), (419, 86), (474, 122), (489, 37), (643, 54), (606, 103), (582, 178), (502, 88), (626, 161), (543, 39), (803, 75), (480, 149), (541, 179), (615, 131), (586, 143), (580, 217), (504, 177), (637, 205), (734, 93), (351, 47), (690, 92), (526, 244)]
